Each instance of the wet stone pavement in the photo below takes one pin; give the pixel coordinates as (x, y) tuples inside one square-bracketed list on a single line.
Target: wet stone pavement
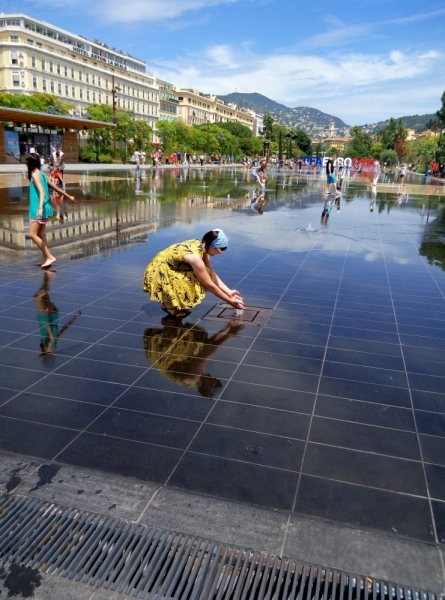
[(333, 410)]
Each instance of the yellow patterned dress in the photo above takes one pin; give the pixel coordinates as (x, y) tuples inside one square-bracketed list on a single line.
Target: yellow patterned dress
[(170, 279)]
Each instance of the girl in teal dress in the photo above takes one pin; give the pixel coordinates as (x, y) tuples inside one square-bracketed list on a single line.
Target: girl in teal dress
[(40, 207)]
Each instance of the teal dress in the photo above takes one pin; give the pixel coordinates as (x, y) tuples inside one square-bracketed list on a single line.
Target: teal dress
[(34, 197)]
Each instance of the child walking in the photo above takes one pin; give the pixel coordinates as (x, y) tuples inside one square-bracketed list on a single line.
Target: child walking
[(40, 209)]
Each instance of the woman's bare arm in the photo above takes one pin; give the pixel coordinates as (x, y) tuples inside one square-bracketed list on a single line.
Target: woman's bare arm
[(60, 191), (201, 273)]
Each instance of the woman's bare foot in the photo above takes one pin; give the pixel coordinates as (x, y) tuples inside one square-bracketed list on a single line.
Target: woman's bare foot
[(48, 262)]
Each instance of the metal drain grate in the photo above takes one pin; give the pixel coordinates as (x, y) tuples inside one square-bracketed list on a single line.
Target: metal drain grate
[(152, 563), (251, 315)]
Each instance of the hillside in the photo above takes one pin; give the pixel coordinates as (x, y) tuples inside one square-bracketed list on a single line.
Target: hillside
[(416, 122), (311, 120)]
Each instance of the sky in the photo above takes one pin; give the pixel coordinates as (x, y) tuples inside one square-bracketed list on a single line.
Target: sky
[(361, 61)]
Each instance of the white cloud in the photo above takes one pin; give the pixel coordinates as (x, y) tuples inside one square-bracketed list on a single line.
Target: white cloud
[(357, 87)]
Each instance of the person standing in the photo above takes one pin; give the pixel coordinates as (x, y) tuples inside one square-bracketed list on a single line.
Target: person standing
[(58, 160), (402, 173), (330, 176), (40, 209), (377, 171)]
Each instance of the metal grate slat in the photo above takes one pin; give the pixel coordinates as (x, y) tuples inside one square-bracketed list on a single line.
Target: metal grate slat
[(154, 564)]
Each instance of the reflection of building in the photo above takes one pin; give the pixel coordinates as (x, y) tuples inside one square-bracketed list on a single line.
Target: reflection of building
[(85, 223), (196, 108), (168, 101), (38, 57)]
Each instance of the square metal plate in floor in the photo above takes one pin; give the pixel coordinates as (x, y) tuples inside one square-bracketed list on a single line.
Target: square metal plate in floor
[(252, 315)]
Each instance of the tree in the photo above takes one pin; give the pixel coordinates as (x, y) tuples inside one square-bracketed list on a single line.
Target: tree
[(303, 141), (390, 157), (236, 129), (35, 102), (268, 122), (99, 140), (125, 131), (280, 145), (166, 133), (360, 143), (376, 150), (143, 135)]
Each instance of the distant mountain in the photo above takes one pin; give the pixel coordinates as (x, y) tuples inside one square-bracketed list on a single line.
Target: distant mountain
[(310, 119), (416, 122)]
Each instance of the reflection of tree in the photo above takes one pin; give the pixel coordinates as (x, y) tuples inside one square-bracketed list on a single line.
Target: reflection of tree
[(180, 352), (433, 242)]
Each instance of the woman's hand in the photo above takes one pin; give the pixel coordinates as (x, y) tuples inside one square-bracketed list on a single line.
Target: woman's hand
[(237, 304), (234, 295), (40, 213)]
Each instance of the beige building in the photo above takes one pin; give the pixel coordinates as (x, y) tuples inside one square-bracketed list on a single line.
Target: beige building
[(168, 101), (196, 108), (38, 57)]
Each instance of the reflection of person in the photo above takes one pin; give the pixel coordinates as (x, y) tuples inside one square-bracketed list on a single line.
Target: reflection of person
[(181, 353), (40, 207), (377, 171), (326, 212), (373, 199), (258, 203), (179, 276), (48, 317)]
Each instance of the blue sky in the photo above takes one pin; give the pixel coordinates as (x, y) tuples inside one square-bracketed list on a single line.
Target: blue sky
[(362, 61)]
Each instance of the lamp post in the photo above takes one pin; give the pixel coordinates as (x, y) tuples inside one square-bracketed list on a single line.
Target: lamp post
[(207, 143)]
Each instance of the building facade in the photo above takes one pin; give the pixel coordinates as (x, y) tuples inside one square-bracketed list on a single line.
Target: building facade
[(38, 57), (168, 101), (196, 108)]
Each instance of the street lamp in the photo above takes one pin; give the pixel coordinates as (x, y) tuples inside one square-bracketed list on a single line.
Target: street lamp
[(114, 90)]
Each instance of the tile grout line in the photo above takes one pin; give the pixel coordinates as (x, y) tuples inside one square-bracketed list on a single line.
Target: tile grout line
[(286, 532)]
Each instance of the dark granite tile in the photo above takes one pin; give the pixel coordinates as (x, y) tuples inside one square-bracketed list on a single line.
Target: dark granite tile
[(33, 439), (365, 374), (261, 395), (75, 388), (275, 378), (18, 325), (421, 341), (435, 475), (401, 444), (365, 346), (430, 401), (365, 315), (234, 480), (433, 449), (301, 326), (206, 386), (299, 337), (366, 359), (413, 354), (27, 359), (439, 519), (248, 446), (101, 371), (84, 334), (263, 420), (353, 331), (18, 379), (283, 362), (428, 383), (165, 403), (288, 348), (367, 413), (51, 411), (121, 457), (115, 354), (356, 390), (9, 337), (355, 506), (148, 428), (65, 347), (430, 423), (365, 469), (425, 367), (428, 332)]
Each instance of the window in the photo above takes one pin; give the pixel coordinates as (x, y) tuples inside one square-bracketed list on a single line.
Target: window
[(133, 91), (94, 79), (124, 103), (88, 77), (81, 93), (100, 98), (107, 99), (88, 95), (73, 91), (14, 58), (66, 90), (15, 80), (59, 89), (43, 64), (44, 88), (14, 38), (80, 75), (66, 71), (33, 61), (106, 83), (58, 68), (72, 73), (51, 66), (94, 96), (98, 80), (52, 86), (34, 83)]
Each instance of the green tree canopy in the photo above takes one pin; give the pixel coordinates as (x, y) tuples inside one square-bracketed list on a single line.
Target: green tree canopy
[(268, 122), (389, 156), (35, 102), (360, 143)]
